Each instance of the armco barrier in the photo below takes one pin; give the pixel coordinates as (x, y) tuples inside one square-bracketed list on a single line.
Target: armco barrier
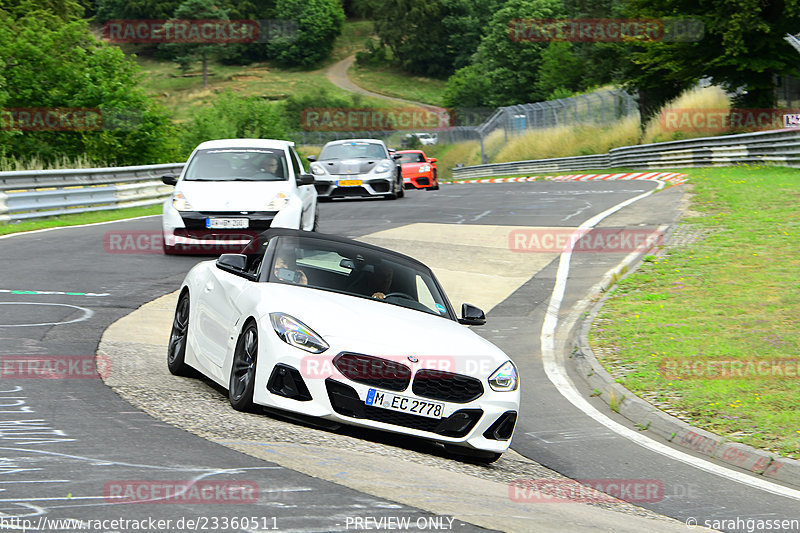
[(561, 164), (777, 147), (40, 193)]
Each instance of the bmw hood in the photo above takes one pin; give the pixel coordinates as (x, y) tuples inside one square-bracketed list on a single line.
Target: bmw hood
[(231, 195), (372, 327), (351, 167)]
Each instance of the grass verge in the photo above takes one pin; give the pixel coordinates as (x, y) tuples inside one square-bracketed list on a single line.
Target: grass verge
[(391, 81), (80, 218), (709, 330)]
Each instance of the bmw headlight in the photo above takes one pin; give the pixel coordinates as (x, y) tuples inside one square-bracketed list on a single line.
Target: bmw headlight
[(425, 168), (504, 378), (180, 202), (317, 169), (280, 201), (383, 167), (295, 333)]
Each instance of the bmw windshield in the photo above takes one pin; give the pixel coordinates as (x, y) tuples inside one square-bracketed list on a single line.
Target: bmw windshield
[(357, 271)]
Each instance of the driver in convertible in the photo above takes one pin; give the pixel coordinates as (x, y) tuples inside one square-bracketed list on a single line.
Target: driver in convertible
[(380, 280), (285, 269)]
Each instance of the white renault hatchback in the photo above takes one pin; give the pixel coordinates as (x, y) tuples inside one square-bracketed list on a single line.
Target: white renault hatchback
[(233, 189)]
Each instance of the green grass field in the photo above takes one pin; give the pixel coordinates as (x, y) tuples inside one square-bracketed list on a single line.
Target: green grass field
[(390, 81), (710, 331), (79, 218)]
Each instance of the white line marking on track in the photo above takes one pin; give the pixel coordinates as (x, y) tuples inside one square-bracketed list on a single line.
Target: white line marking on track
[(26, 292), (558, 376), (72, 227), (87, 314), (481, 216)]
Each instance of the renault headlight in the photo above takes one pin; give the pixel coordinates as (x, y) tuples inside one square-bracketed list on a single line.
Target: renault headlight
[(280, 201), (295, 333), (504, 378), (180, 202)]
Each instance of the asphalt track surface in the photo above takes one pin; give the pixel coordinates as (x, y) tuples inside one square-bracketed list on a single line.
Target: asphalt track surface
[(65, 443)]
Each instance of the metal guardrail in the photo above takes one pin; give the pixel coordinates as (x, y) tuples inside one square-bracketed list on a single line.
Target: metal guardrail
[(560, 164), (40, 193), (776, 147)]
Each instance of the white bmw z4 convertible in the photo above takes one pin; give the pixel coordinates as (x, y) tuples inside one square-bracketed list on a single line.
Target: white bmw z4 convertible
[(323, 326)]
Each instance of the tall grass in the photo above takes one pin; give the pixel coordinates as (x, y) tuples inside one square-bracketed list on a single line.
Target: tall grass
[(451, 155), (565, 141), (698, 98), (34, 163)]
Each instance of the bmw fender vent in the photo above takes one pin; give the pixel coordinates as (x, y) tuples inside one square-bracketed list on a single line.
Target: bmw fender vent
[(286, 381), (503, 427)]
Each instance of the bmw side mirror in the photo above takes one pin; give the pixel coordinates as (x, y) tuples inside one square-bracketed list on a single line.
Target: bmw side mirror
[(169, 179), (233, 263), (471, 316), (305, 179)]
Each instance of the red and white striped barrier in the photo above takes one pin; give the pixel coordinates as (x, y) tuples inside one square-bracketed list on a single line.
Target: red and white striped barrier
[(673, 178)]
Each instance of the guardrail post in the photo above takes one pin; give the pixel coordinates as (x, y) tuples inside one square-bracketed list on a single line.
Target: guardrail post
[(4, 218)]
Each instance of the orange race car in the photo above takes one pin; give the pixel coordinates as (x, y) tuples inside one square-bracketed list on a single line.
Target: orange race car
[(419, 170)]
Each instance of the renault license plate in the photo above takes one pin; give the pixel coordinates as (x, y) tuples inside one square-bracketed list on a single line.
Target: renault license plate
[(227, 223)]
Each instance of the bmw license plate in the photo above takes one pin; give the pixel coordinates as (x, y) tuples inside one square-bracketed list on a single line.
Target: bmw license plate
[(404, 404), (227, 223), (349, 183)]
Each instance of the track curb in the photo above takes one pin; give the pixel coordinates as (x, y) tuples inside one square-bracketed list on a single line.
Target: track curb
[(670, 178)]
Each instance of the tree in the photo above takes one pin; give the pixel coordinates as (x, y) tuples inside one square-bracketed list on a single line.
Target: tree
[(51, 60), (135, 9), (508, 64), (317, 23), (742, 49), (431, 37), (560, 73), (186, 53)]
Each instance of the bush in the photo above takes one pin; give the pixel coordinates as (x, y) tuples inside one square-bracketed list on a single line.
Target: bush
[(468, 87), (234, 116), (294, 105), (59, 64)]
